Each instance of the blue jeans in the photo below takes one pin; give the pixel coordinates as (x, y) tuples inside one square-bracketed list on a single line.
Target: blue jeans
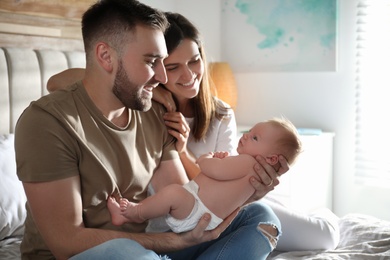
[(118, 249), (241, 240)]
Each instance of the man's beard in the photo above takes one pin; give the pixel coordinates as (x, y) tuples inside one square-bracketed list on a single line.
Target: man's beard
[(128, 92)]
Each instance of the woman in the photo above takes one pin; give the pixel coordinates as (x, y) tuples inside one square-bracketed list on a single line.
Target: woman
[(202, 123)]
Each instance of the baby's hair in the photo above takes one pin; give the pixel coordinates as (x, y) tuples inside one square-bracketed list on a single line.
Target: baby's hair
[(290, 144)]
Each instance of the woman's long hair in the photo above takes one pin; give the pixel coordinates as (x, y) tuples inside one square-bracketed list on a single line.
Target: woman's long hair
[(205, 105)]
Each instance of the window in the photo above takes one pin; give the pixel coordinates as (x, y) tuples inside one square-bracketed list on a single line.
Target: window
[(372, 157)]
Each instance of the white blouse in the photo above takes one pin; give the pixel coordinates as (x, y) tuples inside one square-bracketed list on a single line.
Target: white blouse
[(221, 136)]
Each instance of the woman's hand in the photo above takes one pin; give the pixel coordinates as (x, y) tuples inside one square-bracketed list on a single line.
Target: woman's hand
[(268, 177), (178, 128), (164, 97)]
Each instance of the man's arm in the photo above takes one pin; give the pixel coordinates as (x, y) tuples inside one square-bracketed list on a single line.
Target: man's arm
[(169, 172), (56, 207), (57, 210)]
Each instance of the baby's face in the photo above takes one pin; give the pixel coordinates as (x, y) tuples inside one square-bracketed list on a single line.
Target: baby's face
[(260, 140)]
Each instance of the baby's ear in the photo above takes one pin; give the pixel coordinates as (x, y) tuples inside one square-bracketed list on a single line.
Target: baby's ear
[(272, 159)]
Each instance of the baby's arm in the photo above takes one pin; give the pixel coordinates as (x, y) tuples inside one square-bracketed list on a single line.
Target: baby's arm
[(228, 168), (204, 156), (219, 155)]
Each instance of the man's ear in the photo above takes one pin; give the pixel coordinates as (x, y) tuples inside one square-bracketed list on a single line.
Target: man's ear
[(272, 159), (105, 58)]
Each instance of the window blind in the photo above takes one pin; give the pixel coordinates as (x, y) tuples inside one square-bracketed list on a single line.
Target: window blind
[(372, 156)]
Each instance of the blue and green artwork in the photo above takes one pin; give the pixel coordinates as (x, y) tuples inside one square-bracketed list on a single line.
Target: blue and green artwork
[(280, 35)]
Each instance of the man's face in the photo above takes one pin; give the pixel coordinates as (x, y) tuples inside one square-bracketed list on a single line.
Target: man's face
[(141, 68)]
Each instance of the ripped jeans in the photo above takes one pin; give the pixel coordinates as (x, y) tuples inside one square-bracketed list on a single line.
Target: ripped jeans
[(248, 237), (243, 239)]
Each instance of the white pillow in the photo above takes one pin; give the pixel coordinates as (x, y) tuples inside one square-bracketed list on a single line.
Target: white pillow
[(12, 196)]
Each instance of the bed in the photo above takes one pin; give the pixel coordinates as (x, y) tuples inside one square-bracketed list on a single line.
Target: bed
[(23, 76), (362, 237)]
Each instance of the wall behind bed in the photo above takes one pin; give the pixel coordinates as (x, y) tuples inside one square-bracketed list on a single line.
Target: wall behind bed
[(42, 24)]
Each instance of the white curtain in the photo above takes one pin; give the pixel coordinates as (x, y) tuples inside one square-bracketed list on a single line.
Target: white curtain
[(372, 157)]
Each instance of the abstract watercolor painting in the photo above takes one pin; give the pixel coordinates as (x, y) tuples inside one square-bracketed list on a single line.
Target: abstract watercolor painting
[(279, 35)]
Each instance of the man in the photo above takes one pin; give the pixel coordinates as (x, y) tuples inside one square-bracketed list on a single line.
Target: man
[(101, 137)]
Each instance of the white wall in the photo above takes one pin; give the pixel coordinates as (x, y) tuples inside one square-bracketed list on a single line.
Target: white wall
[(204, 14), (319, 100)]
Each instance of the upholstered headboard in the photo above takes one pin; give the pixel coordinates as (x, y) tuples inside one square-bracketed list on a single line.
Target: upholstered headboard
[(23, 77)]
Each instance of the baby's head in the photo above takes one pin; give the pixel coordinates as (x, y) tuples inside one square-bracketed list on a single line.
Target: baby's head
[(271, 138)]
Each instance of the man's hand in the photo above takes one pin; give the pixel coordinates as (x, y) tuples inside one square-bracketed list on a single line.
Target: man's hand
[(199, 234), (268, 177)]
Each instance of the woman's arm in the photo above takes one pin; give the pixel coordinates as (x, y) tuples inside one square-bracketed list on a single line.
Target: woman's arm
[(164, 97), (178, 128), (65, 78)]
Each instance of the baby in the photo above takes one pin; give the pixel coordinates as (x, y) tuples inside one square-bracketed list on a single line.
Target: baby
[(222, 185)]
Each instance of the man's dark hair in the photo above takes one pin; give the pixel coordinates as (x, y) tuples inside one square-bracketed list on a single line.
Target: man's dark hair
[(112, 20)]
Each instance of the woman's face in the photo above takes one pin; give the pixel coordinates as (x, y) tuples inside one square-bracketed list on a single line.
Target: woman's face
[(185, 68)]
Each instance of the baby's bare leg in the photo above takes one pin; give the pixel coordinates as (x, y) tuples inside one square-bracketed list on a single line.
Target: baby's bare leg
[(172, 199)]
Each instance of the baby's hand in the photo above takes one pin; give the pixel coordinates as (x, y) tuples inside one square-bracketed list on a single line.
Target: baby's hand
[(205, 156), (221, 155)]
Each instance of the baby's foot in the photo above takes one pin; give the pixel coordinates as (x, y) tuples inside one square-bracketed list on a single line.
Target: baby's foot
[(130, 210), (116, 215), (124, 204)]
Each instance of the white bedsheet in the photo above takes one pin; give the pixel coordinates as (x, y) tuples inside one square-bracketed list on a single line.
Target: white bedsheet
[(361, 237), (10, 248)]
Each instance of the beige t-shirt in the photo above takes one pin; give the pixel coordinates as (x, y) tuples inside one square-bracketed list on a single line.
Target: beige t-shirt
[(64, 134)]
